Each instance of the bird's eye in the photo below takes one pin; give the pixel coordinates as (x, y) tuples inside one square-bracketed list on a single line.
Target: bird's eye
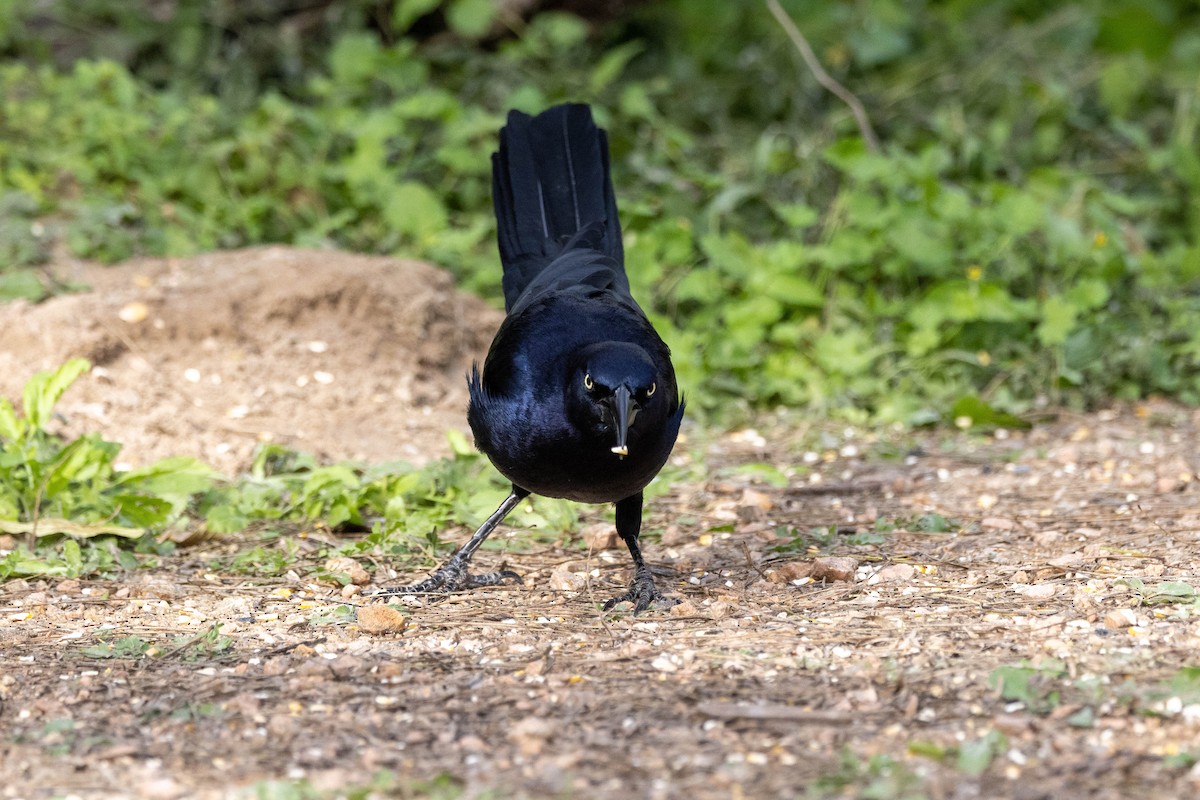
[(650, 391), (588, 383)]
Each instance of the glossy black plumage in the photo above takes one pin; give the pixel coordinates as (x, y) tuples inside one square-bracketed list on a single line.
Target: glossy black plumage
[(577, 397)]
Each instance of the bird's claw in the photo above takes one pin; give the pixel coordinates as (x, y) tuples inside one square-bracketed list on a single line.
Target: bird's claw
[(642, 593), (453, 577)]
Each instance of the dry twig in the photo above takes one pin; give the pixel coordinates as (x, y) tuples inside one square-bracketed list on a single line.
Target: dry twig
[(823, 77)]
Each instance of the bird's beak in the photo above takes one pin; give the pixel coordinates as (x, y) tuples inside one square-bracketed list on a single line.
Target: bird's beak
[(624, 410)]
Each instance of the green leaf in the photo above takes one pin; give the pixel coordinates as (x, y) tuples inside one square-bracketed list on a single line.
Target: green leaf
[(142, 510), (52, 526), (11, 427), (43, 391), (612, 64), (1170, 592), (406, 12), (981, 415), (354, 58), (127, 647), (1083, 718), (974, 757), (226, 518), (179, 476), (414, 210), (73, 557), (458, 443), (797, 215), (1122, 82), (471, 18), (1059, 316), (85, 459), (21, 284), (1089, 293)]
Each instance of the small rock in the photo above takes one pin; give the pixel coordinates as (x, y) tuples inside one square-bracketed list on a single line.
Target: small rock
[(1169, 484), (1047, 539), (346, 665), (893, 573), (160, 590), (761, 501), (676, 535), (473, 744), (1035, 591), (133, 313), (834, 569), (162, 789), (276, 666), (389, 669), (348, 566), (282, 726), (600, 536), (565, 578), (719, 610), (998, 523), (791, 571), (231, 608), (314, 668), (664, 664), (1067, 561), (1120, 618), (530, 735), (380, 619), (684, 609), (69, 586), (1011, 724)]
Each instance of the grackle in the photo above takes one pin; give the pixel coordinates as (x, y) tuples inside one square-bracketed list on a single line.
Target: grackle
[(577, 398)]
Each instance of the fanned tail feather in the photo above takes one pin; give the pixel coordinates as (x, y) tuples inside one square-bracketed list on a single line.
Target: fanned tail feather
[(551, 186)]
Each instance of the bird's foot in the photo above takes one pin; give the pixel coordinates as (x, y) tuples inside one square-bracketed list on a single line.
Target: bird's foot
[(453, 577), (643, 593)]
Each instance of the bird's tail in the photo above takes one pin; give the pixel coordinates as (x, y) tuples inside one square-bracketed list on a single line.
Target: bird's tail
[(551, 184)]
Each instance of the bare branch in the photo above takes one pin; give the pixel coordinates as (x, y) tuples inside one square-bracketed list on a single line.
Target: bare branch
[(823, 77)]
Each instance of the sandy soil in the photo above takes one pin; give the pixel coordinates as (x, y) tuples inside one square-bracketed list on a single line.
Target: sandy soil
[(341, 355), (979, 632)]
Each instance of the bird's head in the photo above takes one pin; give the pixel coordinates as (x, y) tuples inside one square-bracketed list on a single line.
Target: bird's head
[(616, 391)]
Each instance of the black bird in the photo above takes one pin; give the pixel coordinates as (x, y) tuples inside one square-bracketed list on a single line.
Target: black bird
[(578, 397)]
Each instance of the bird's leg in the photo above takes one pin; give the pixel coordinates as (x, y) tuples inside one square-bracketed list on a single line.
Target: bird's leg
[(453, 575), (642, 591)]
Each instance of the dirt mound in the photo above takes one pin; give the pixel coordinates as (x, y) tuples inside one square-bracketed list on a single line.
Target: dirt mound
[(341, 355)]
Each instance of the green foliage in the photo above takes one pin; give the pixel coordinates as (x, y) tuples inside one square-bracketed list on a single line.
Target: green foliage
[(125, 647), (55, 489), (1026, 233), (975, 756), (382, 784), (821, 540), (207, 644), (1038, 688), (403, 506), (881, 777), (1178, 593), (63, 493)]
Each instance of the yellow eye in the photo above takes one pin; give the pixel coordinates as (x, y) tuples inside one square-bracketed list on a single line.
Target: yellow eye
[(587, 382), (650, 391)]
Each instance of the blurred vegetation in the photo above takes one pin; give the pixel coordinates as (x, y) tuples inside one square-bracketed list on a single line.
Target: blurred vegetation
[(1026, 234)]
